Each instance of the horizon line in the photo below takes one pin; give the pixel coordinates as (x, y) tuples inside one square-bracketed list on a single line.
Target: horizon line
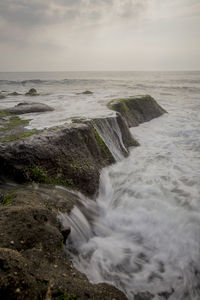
[(45, 71)]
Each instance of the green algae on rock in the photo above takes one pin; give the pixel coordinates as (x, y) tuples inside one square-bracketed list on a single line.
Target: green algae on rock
[(137, 109), (12, 128), (72, 155)]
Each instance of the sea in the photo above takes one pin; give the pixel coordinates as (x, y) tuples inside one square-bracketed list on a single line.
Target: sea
[(144, 233)]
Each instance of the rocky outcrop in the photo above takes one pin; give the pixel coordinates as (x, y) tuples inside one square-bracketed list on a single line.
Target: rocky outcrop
[(137, 109), (32, 92), (33, 263), (29, 107), (70, 155)]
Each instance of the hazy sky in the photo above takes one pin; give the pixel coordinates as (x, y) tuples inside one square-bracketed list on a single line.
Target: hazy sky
[(53, 35)]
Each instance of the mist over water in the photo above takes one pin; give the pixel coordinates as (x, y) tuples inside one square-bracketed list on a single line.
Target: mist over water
[(143, 231)]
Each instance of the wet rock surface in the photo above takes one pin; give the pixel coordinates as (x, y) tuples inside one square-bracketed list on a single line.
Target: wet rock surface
[(70, 155), (33, 263), (13, 128), (137, 109), (29, 107)]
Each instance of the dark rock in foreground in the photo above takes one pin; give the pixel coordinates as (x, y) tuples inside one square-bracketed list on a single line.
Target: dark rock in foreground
[(29, 107), (33, 263), (137, 109)]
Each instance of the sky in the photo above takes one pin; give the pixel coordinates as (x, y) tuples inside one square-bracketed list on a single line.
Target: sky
[(83, 35)]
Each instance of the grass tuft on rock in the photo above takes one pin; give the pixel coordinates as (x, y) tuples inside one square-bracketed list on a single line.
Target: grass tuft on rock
[(7, 199), (38, 174)]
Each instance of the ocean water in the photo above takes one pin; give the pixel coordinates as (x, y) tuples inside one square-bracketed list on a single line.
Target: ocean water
[(143, 232)]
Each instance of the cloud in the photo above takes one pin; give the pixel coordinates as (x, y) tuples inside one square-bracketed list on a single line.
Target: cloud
[(40, 12), (41, 33)]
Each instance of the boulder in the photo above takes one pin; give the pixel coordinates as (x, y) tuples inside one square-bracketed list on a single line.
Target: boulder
[(32, 92), (29, 107), (137, 109)]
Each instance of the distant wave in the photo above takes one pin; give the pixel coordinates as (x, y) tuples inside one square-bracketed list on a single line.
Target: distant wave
[(46, 82)]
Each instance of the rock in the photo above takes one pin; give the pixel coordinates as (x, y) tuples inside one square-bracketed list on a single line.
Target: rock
[(13, 128), (32, 92), (2, 96), (29, 107), (144, 296), (87, 92), (16, 282), (70, 155), (32, 266), (14, 94), (137, 109)]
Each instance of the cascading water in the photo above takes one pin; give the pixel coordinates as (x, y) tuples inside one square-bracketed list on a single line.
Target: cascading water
[(145, 234), (109, 131)]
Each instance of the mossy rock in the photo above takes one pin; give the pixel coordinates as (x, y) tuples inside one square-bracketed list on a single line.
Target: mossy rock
[(137, 109), (12, 128)]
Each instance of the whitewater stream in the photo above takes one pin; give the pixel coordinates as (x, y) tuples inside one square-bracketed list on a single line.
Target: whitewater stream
[(143, 233)]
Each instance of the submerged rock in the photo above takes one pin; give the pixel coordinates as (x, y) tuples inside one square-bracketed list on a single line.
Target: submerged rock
[(14, 94), (87, 92), (32, 92), (29, 107), (144, 296), (2, 96), (137, 109)]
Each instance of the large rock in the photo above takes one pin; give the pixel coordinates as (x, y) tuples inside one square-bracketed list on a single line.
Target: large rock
[(29, 107), (70, 155), (137, 109), (33, 263), (32, 92)]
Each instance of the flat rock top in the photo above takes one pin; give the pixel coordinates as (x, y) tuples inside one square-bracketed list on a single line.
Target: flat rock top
[(29, 107)]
